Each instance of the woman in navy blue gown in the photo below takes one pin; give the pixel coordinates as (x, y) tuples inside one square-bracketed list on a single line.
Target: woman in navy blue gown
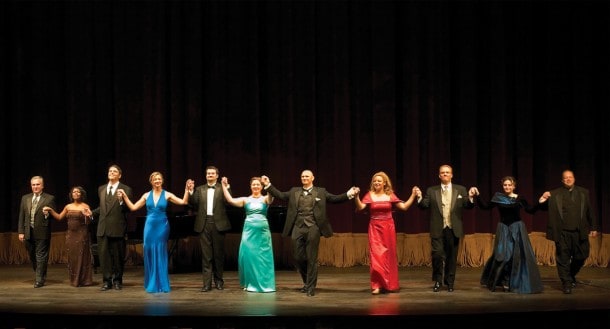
[(512, 265), (156, 232)]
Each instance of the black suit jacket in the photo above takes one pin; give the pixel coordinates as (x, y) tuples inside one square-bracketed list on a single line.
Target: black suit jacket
[(112, 217), (586, 222), (199, 201), (42, 224), (321, 197), (433, 201)]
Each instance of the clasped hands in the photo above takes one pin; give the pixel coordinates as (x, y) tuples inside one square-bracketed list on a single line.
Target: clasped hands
[(120, 194)]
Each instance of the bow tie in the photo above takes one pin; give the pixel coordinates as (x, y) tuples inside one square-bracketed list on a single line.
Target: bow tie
[(211, 186), (308, 190)]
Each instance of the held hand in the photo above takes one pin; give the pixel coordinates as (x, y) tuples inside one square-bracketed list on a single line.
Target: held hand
[(545, 196), (265, 180), (417, 191), (225, 181), (120, 193), (87, 212), (353, 191), (190, 185), (45, 210)]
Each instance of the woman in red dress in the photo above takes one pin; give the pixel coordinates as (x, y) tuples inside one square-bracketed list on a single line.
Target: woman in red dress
[(381, 201)]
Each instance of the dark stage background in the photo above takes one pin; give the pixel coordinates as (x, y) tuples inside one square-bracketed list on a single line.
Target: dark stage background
[(343, 88)]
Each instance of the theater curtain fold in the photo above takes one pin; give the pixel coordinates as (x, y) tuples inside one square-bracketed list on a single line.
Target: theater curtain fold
[(341, 250)]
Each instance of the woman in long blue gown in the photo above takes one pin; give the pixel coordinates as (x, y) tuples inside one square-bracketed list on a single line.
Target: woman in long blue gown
[(256, 267), (512, 265), (156, 232)]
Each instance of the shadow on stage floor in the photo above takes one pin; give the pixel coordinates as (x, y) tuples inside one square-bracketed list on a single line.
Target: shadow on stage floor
[(342, 300)]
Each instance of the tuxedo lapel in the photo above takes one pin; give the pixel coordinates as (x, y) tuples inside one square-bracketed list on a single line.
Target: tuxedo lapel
[(439, 200), (297, 194), (31, 198), (204, 200), (559, 206)]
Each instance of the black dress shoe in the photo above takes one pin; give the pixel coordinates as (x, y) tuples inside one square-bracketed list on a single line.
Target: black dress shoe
[(437, 286), (567, 288), (105, 286), (220, 285), (38, 284), (450, 288), (573, 284), (118, 286), (205, 289), (311, 292)]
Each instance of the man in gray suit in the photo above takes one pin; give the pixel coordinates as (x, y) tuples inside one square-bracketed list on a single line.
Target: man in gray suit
[(212, 223), (445, 202), (111, 218), (35, 227)]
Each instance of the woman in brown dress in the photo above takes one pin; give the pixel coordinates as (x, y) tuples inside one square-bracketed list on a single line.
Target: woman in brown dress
[(78, 240)]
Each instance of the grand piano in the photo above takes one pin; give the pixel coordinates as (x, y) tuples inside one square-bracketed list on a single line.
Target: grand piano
[(181, 226)]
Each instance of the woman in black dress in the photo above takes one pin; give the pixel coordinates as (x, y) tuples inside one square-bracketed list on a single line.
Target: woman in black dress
[(512, 265)]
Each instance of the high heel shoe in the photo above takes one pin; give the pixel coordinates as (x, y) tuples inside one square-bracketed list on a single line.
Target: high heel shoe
[(376, 291)]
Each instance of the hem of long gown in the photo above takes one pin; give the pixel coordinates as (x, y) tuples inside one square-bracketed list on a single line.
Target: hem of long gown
[(264, 290)]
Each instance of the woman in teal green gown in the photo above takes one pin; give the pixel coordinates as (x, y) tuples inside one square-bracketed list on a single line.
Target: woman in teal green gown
[(256, 268)]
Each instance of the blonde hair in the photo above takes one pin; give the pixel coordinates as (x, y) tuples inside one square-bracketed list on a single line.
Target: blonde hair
[(155, 173), (387, 188)]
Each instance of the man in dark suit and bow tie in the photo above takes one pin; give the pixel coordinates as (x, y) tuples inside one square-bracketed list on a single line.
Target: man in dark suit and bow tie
[(445, 202), (571, 222), (111, 216), (306, 221), (212, 223), (35, 227)]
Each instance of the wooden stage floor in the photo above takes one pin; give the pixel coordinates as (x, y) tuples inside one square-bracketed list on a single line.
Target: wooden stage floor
[(343, 300)]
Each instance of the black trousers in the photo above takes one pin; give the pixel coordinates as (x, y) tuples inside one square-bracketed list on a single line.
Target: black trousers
[(212, 244), (571, 253), (306, 243), (444, 257), (111, 252), (38, 251)]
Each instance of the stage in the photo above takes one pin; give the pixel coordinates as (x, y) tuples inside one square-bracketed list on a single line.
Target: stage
[(342, 300)]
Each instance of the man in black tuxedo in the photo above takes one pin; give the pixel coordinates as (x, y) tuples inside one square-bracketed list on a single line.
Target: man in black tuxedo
[(306, 221), (111, 216), (571, 222), (35, 227), (212, 223), (446, 202)]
